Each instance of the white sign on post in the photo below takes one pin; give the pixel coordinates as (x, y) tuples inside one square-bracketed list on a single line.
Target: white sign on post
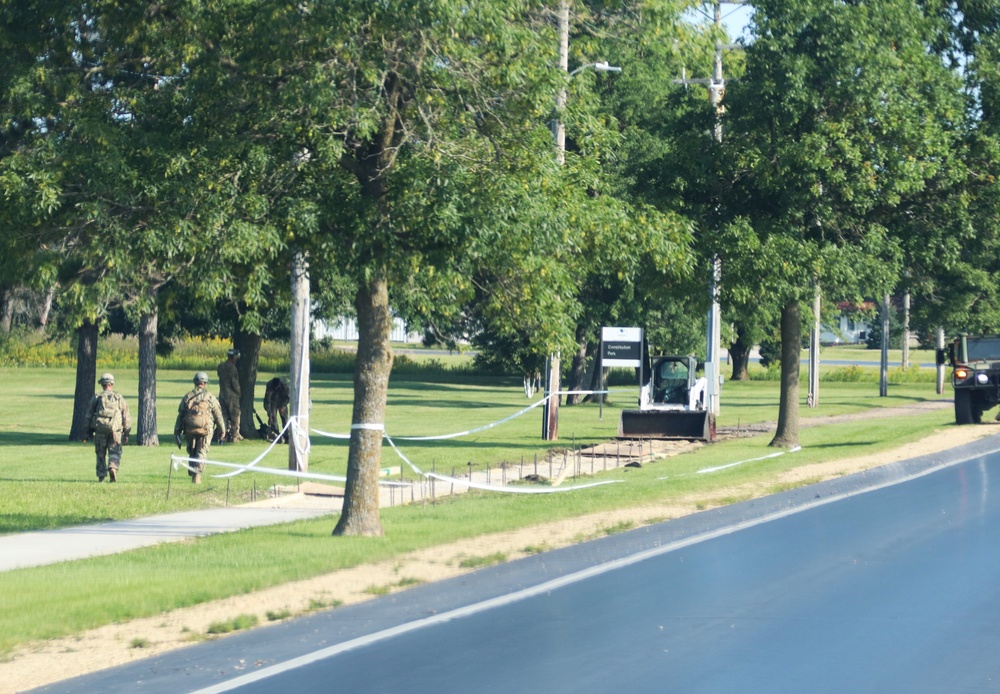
[(621, 347)]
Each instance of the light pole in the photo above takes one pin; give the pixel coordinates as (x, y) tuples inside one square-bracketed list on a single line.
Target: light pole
[(716, 90), (550, 410), (597, 67)]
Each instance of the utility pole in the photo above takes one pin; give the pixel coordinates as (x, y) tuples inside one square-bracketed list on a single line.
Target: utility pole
[(883, 381), (550, 410), (713, 363), (940, 367), (814, 333), (298, 435), (906, 330), (716, 91)]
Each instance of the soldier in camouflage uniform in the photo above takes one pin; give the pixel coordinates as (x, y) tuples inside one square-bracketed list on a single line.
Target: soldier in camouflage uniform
[(198, 435), (109, 426), (229, 394), (276, 396)]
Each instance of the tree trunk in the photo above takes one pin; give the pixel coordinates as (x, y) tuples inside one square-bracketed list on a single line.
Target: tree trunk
[(86, 376), (598, 383), (739, 355), (46, 309), (360, 515), (550, 410), (578, 367), (787, 434), (145, 433), (7, 314), (249, 346)]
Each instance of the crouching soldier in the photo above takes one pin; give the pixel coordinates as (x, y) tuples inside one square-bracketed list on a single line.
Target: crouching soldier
[(110, 425), (198, 417), (276, 398)]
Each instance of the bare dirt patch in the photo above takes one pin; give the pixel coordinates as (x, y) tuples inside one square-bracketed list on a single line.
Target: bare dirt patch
[(51, 661)]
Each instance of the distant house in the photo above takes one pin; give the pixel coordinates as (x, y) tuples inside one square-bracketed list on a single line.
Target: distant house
[(347, 329), (852, 326)]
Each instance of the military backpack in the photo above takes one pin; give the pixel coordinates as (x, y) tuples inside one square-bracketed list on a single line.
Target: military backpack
[(198, 416), (107, 417)]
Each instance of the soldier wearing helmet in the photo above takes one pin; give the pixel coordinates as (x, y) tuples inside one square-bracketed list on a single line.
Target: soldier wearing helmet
[(198, 417), (229, 394), (109, 426)]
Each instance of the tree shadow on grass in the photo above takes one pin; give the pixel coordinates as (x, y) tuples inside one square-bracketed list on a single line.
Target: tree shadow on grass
[(403, 401), (843, 445), (31, 438)]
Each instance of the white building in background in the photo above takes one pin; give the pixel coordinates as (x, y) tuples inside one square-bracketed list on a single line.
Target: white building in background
[(347, 329), (851, 329)]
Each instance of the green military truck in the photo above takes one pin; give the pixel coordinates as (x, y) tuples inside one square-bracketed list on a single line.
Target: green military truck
[(975, 363)]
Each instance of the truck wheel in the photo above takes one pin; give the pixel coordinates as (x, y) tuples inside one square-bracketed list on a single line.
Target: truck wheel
[(963, 407)]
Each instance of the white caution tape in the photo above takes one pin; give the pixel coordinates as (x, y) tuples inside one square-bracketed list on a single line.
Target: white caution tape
[(468, 432), (182, 461), (297, 433), (751, 460)]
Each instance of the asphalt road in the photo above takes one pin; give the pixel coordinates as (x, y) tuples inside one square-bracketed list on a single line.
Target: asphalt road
[(862, 584)]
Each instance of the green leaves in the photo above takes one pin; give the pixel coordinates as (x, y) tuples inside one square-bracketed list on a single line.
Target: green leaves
[(842, 117)]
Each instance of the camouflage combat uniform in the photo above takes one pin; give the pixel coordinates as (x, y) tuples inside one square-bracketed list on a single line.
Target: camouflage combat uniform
[(276, 398), (198, 446), (108, 444), (229, 397)]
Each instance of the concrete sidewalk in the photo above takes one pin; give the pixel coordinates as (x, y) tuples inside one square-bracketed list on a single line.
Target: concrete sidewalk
[(304, 500), (23, 550)]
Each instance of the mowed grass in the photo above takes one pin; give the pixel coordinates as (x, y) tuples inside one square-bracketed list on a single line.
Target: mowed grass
[(47, 482)]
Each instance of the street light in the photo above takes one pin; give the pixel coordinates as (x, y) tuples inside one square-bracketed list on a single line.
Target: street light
[(550, 410), (558, 127), (598, 67)]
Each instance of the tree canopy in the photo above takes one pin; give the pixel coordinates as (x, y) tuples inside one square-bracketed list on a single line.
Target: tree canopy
[(176, 158)]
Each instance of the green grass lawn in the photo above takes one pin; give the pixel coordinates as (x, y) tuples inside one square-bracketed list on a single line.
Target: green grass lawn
[(48, 482)]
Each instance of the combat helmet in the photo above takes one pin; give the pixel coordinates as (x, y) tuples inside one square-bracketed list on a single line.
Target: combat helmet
[(201, 377), (106, 378)]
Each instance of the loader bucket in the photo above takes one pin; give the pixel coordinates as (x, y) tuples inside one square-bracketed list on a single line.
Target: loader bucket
[(698, 425)]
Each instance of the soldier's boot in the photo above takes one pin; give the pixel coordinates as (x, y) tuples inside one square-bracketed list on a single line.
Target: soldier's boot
[(196, 478), (113, 474)]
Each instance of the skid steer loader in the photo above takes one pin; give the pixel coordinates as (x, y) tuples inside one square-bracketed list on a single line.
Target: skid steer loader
[(671, 403)]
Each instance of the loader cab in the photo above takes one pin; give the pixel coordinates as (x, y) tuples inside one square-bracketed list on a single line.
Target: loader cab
[(673, 378)]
